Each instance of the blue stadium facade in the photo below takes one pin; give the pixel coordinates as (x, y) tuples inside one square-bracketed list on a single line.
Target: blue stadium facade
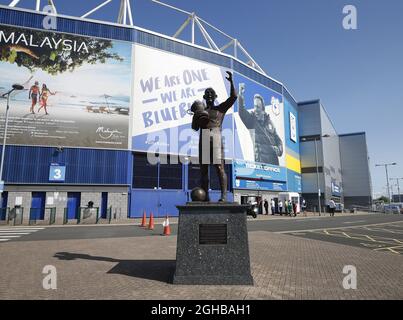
[(122, 183)]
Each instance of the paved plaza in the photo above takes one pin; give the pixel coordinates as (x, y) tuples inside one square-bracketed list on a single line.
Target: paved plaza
[(283, 266)]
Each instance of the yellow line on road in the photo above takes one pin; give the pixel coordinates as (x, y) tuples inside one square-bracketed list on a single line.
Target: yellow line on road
[(390, 249), (338, 228), (393, 247), (371, 238), (343, 235)]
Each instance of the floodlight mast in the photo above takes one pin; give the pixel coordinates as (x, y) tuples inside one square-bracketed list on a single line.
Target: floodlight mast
[(125, 17), (37, 5), (201, 23)]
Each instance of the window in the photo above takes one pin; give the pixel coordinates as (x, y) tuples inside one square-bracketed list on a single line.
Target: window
[(215, 182), (145, 175), (311, 170), (171, 176), (194, 177)]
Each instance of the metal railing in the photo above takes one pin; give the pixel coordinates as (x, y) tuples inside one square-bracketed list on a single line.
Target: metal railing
[(52, 215), (33, 215), (49, 214), (16, 215), (109, 216), (86, 214), (65, 219)]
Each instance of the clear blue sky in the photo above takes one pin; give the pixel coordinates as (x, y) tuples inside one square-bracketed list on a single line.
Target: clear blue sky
[(357, 74)]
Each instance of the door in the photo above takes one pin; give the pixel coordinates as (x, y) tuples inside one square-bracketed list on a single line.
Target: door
[(104, 205), (38, 206), (73, 205), (3, 207)]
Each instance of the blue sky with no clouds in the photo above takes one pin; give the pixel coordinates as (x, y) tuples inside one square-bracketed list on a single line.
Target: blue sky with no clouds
[(357, 74)]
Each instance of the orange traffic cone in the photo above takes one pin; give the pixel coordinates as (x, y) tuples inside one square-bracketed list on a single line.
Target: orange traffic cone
[(151, 224), (167, 228), (144, 221)]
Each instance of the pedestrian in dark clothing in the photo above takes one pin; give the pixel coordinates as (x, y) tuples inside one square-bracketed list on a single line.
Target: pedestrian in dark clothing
[(266, 207)]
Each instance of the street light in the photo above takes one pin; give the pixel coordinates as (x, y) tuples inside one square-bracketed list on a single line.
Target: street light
[(387, 175), (15, 87), (398, 187), (317, 166)]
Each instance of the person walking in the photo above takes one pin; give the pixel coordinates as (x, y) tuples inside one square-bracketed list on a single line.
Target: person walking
[(290, 207), (303, 207), (273, 207), (280, 207), (261, 207), (332, 207), (266, 207), (294, 208)]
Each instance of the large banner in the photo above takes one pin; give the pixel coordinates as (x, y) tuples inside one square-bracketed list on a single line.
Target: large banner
[(165, 87), (76, 89), (259, 124), (260, 150)]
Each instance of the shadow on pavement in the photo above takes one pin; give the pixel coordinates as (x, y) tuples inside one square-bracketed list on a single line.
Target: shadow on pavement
[(158, 270)]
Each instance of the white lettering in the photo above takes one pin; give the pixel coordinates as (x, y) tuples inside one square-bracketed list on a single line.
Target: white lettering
[(350, 21), (350, 280), (50, 21), (50, 281)]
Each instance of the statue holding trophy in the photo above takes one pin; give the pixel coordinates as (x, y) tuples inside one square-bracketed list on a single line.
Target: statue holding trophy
[(212, 245), (208, 118)]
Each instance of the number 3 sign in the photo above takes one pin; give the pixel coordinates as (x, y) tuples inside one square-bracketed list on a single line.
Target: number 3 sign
[(57, 173)]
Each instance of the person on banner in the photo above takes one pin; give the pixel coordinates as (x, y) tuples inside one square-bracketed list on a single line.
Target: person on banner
[(44, 98), (267, 143), (34, 95)]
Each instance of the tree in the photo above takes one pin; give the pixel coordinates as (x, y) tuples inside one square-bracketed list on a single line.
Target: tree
[(383, 199), (53, 58)]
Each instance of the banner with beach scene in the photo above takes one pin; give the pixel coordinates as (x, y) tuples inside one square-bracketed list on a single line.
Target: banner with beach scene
[(76, 89)]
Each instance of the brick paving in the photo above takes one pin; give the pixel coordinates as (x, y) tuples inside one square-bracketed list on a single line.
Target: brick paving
[(283, 267)]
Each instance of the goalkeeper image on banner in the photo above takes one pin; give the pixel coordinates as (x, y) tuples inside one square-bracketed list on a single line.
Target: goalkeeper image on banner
[(268, 146)]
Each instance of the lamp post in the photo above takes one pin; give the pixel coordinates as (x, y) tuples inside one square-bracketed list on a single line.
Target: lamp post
[(317, 167), (15, 87), (387, 175), (398, 187)]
